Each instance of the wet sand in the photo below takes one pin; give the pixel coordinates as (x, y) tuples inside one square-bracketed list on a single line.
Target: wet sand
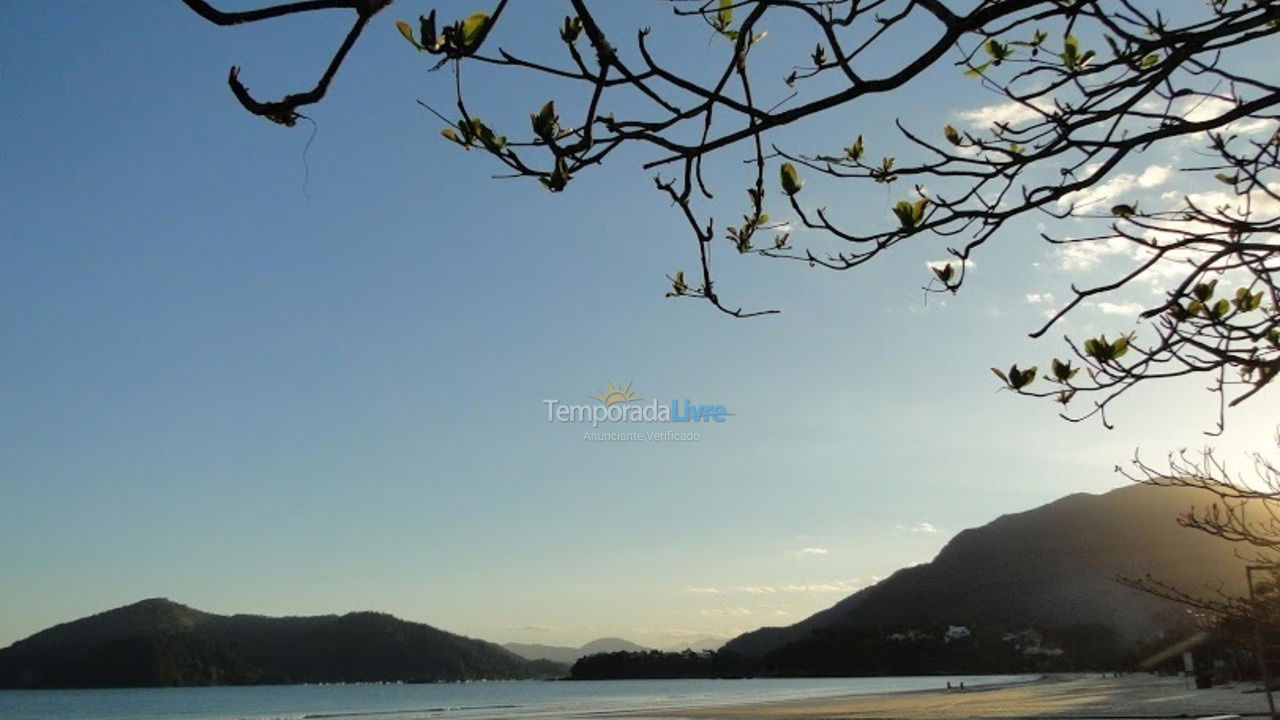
[(1136, 696)]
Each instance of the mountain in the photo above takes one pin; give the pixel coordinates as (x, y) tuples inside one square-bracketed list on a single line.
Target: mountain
[(701, 644), (162, 643), (570, 655), (1051, 567)]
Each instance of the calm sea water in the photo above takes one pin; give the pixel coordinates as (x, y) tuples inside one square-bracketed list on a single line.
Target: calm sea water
[(468, 701)]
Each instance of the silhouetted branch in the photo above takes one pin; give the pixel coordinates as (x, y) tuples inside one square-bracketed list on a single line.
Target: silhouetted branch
[(285, 110)]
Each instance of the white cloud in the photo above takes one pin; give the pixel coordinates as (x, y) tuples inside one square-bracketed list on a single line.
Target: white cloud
[(1129, 308), (1039, 298), (758, 589), (812, 551), (1205, 109), (1152, 176), (939, 264), (927, 528), (1077, 256), (1006, 113), (703, 590)]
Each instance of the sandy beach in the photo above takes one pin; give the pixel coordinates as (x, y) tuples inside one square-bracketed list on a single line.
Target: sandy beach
[(1137, 696)]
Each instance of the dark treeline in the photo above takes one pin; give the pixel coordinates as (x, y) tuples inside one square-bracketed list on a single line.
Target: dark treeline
[(902, 651), (653, 664)]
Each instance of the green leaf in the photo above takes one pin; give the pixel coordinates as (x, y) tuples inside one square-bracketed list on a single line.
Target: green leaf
[(474, 28), (1062, 371), (1246, 301), (1092, 347), (724, 16), (854, 151), (903, 212), (427, 27), (1124, 210), (559, 177), (1004, 378), (545, 122), (917, 210), (977, 71), (449, 134), (407, 32), (951, 134), (909, 214), (791, 182), (1018, 379), (945, 273), (1150, 60), (1119, 347), (571, 29)]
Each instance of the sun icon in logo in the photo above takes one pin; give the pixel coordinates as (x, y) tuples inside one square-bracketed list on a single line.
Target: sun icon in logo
[(615, 395)]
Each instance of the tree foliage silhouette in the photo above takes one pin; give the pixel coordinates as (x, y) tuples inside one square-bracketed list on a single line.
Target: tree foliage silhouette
[(1084, 85)]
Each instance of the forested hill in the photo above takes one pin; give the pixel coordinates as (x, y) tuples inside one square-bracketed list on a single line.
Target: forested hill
[(162, 643), (1050, 567)]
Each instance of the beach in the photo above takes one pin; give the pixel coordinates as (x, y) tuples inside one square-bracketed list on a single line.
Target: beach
[(1133, 696)]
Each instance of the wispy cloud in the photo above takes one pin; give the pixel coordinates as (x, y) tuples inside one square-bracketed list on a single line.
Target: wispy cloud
[(530, 628), (732, 611), (927, 528), (833, 586), (812, 551), (1039, 298), (703, 590), (840, 586)]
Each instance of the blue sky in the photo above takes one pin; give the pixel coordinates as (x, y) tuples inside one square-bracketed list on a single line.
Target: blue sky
[(256, 379)]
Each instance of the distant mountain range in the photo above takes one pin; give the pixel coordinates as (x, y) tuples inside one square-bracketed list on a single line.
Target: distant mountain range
[(1038, 589), (570, 655), (162, 643), (698, 644), (1051, 567)]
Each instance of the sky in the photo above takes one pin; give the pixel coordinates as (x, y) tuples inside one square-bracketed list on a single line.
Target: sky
[(255, 370)]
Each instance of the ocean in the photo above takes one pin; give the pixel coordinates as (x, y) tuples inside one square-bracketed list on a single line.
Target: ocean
[(458, 701)]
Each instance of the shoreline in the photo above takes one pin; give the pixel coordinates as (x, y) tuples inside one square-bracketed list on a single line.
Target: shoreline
[(1076, 696)]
